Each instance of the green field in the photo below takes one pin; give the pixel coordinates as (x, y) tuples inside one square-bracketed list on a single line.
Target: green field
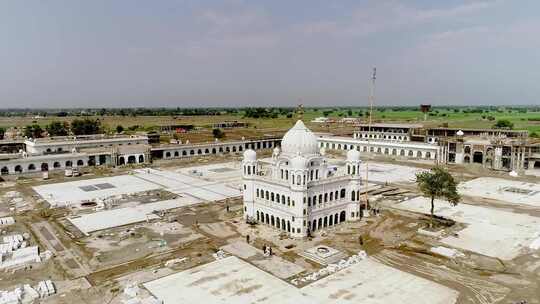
[(522, 118)]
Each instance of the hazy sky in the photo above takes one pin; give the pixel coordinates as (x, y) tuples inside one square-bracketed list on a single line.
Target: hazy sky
[(96, 53)]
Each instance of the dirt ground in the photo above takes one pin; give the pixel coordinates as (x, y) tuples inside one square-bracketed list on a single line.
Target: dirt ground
[(96, 267)]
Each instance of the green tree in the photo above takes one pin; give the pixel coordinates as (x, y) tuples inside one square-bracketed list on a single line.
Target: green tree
[(503, 124), (438, 183), (33, 131), (218, 133), (119, 129), (57, 128), (85, 126)]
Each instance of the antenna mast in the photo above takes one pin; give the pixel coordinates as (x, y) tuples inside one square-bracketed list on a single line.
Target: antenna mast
[(371, 98)]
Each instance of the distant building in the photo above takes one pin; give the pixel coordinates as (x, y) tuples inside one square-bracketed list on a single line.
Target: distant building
[(507, 150), (350, 120), (230, 124), (321, 120)]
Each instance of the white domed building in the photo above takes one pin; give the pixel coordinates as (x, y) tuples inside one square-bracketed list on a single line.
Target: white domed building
[(301, 192)]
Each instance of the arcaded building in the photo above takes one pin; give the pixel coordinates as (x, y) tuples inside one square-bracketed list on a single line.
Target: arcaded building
[(300, 192)]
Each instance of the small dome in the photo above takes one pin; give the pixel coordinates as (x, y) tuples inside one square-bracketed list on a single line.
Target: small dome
[(299, 162), (459, 133), (299, 139), (250, 155), (353, 155)]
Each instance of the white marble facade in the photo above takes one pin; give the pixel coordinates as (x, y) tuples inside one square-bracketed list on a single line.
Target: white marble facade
[(300, 192)]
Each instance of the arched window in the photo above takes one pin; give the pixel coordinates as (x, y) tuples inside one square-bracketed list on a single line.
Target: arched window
[(353, 196), (176, 154), (80, 162), (342, 194), (31, 167)]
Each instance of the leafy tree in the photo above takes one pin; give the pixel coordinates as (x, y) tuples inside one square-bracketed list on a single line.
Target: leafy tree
[(349, 113), (535, 135), (504, 124), (85, 126), (119, 129), (438, 183), (57, 128), (33, 131), (218, 133)]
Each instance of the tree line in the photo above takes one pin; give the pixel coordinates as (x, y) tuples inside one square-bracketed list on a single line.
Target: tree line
[(86, 126)]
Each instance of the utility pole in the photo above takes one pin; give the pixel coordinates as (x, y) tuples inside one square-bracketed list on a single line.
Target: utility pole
[(371, 98)]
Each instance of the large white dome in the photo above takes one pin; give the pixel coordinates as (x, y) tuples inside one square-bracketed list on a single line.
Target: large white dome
[(299, 139)]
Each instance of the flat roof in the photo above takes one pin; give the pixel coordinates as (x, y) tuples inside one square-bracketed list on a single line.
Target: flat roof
[(88, 223), (478, 130), (232, 280), (392, 125)]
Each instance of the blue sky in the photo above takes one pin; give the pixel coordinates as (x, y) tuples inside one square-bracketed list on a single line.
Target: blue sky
[(181, 53)]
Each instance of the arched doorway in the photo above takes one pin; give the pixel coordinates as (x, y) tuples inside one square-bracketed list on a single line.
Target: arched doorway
[(44, 167), (342, 216), (536, 164), (121, 161), (4, 171), (80, 163), (478, 157), (31, 167), (141, 158), (168, 154), (132, 159)]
